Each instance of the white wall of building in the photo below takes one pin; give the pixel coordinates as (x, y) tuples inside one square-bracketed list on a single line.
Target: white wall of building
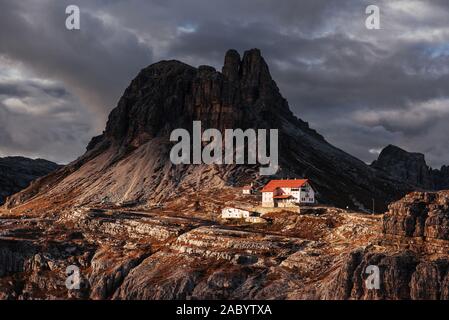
[(307, 194), (234, 213), (267, 199)]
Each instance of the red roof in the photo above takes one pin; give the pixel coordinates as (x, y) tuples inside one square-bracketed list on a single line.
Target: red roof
[(247, 187), (274, 184)]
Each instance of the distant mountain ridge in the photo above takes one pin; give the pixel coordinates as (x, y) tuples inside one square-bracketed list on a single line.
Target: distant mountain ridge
[(411, 167), (16, 173)]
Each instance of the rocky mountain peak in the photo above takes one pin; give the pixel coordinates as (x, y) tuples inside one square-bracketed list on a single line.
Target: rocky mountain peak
[(411, 167), (130, 161), (405, 166), (391, 151), (231, 67), (252, 68), (171, 94)]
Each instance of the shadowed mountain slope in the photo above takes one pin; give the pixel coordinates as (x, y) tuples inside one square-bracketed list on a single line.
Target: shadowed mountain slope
[(16, 173)]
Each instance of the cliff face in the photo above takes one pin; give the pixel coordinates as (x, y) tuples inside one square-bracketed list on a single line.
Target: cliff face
[(411, 168), (412, 254), (441, 178), (419, 215), (129, 162), (405, 166), (16, 173), (170, 94)]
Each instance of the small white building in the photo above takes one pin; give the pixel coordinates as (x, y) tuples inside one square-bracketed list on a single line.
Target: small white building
[(287, 193), (234, 213), (248, 216), (248, 189)]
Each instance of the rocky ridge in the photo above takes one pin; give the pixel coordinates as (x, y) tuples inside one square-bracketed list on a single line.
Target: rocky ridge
[(411, 168), (412, 254), (16, 173)]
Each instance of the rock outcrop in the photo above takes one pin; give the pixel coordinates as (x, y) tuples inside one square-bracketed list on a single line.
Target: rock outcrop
[(16, 173), (412, 168), (419, 215), (441, 178), (411, 254)]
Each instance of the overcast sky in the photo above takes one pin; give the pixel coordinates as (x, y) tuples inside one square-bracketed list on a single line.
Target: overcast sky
[(362, 89)]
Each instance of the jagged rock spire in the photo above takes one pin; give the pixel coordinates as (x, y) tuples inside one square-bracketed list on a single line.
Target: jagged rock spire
[(254, 66), (231, 65)]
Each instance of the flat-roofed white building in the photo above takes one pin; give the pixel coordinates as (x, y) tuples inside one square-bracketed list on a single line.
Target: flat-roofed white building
[(234, 213)]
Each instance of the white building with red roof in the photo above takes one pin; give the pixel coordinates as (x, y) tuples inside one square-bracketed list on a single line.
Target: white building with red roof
[(287, 193)]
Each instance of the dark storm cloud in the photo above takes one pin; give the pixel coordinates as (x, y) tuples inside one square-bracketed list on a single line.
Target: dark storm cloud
[(91, 68), (8, 89), (97, 62), (362, 89), (38, 117)]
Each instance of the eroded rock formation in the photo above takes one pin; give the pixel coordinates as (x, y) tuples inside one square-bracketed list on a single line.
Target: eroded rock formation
[(412, 254)]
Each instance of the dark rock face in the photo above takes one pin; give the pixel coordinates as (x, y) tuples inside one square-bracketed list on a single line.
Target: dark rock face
[(441, 178), (411, 168), (405, 166), (424, 215), (430, 281), (413, 260), (396, 272), (171, 94), (403, 276), (16, 173)]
